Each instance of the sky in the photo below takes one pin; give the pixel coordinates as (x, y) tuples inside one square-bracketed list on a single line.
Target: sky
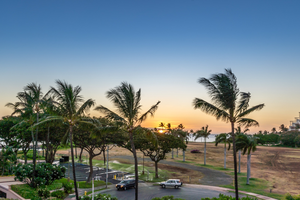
[(159, 46)]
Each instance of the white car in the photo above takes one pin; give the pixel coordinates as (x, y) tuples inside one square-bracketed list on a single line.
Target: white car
[(176, 183)]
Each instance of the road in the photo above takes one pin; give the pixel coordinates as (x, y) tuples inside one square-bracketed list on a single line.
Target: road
[(148, 191)]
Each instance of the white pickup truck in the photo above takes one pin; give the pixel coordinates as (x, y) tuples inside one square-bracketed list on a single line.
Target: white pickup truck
[(171, 183)]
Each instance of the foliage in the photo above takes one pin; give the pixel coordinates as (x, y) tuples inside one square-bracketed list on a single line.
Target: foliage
[(195, 151), (45, 173), (290, 197), (271, 138), (289, 138), (99, 197), (8, 138), (44, 193), (8, 159), (67, 187), (167, 198), (58, 194), (225, 197)]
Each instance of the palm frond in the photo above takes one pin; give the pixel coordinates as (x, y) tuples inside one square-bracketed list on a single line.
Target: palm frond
[(243, 103), (150, 112), (210, 109), (109, 114), (250, 110), (85, 107)]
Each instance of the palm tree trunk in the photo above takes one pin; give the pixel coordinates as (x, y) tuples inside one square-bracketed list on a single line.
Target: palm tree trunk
[(205, 151), (135, 165), (248, 167), (33, 175), (73, 163), (104, 159), (225, 156), (47, 144), (239, 161), (183, 155), (172, 153), (234, 162), (80, 155), (35, 147)]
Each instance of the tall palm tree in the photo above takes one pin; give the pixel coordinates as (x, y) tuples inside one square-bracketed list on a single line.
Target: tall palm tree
[(204, 132), (247, 143), (224, 94), (31, 100), (224, 138), (71, 109), (239, 131), (162, 125), (128, 110)]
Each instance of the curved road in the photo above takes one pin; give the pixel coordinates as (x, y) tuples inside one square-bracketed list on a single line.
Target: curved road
[(211, 177), (148, 192)]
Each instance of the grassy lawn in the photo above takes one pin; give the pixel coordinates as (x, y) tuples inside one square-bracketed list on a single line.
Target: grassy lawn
[(129, 168), (39, 156), (258, 186)]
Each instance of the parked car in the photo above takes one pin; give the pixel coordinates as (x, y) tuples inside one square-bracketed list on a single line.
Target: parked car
[(176, 183), (125, 184)]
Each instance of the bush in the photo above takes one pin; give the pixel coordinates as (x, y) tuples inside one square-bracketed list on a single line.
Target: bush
[(290, 197), (44, 193), (67, 187), (195, 151), (224, 197), (166, 198), (58, 194), (99, 197), (46, 173)]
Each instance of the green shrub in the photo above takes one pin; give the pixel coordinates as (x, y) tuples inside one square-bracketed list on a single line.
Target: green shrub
[(46, 173), (225, 197), (99, 197), (44, 193), (58, 194), (166, 198), (67, 187), (290, 197)]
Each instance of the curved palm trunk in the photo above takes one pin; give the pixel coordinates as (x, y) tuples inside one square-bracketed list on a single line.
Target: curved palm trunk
[(73, 163), (248, 167), (225, 156), (135, 166), (205, 151), (235, 163), (239, 161)]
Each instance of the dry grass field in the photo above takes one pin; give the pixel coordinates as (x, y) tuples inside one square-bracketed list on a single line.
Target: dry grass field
[(278, 165)]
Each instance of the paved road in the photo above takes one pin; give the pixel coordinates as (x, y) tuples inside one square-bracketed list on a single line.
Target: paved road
[(148, 192), (211, 177)]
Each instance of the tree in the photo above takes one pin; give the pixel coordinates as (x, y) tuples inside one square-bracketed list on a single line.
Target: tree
[(204, 132), (224, 138), (224, 94), (128, 105), (247, 143), (8, 158), (283, 128), (71, 111), (273, 130), (157, 151), (239, 131)]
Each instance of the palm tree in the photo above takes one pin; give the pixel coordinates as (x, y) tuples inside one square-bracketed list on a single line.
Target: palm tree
[(224, 93), (128, 106), (31, 100), (204, 132), (239, 131), (162, 125), (71, 109), (223, 137), (248, 144), (283, 128)]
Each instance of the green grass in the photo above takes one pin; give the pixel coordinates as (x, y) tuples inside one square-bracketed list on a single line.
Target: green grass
[(214, 167), (257, 186), (90, 192), (83, 184)]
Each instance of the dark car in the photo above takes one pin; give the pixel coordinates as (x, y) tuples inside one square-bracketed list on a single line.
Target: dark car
[(125, 184)]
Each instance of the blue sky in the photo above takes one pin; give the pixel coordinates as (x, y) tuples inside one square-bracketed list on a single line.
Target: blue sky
[(162, 47)]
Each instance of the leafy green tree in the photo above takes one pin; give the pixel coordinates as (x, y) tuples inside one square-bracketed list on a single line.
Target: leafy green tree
[(204, 132), (71, 111), (156, 145), (247, 143), (283, 128), (223, 138), (224, 94), (7, 137), (8, 159), (128, 106)]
